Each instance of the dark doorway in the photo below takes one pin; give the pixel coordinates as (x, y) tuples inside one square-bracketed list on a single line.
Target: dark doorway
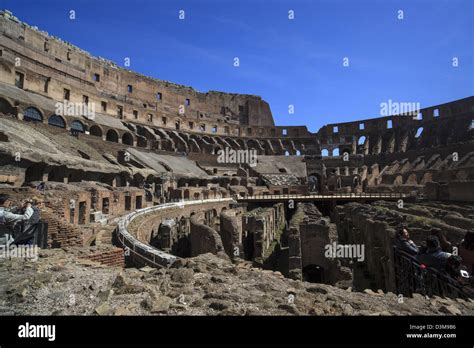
[(105, 205), (128, 203), (71, 215), (313, 274), (138, 202), (82, 213), (248, 245)]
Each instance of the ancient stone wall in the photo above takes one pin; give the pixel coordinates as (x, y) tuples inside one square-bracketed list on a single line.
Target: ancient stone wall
[(204, 239)]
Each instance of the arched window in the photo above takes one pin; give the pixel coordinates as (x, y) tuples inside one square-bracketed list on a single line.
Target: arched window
[(418, 132), (32, 114), (6, 108), (287, 153), (335, 152), (96, 131), (361, 140), (325, 153), (56, 121), (77, 126), (127, 139), (298, 153), (112, 136)]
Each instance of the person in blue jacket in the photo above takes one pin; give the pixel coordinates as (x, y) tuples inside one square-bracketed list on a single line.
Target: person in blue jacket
[(434, 256)]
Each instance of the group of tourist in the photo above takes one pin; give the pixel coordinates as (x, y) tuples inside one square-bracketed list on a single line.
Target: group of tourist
[(438, 253)]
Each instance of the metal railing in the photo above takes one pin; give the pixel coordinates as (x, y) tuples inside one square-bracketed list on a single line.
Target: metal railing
[(332, 195), (144, 253), (411, 277)]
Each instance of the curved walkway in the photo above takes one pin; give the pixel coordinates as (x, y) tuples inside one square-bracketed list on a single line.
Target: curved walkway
[(143, 254)]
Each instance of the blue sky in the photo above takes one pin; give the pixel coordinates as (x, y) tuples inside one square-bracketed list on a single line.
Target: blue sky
[(288, 62)]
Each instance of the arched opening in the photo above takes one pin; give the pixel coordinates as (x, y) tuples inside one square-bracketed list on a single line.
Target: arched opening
[(141, 141), (112, 136), (35, 172), (248, 245), (127, 139), (287, 153), (298, 153), (313, 274), (95, 131), (77, 126), (325, 153), (32, 114), (6, 108), (314, 183), (361, 140), (418, 132), (335, 152), (56, 121)]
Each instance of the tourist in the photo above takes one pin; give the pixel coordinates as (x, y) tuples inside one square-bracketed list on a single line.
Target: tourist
[(9, 220), (404, 242), (466, 250), (456, 270), (434, 256)]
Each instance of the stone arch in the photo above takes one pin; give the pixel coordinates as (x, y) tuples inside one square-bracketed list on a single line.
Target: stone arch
[(427, 177), (95, 130), (412, 179), (56, 121), (7, 108), (112, 136), (403, 142), (35, 172), (127, 139), (242, 143), (141, 141), (78, 126), (314, 182), (32, 114)]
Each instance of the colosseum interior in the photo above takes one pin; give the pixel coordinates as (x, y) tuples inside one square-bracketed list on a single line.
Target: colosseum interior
[(159, 199)]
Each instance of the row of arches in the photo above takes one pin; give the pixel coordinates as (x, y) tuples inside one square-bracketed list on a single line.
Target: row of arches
[(33, 114), (175, 141), (381, 144)]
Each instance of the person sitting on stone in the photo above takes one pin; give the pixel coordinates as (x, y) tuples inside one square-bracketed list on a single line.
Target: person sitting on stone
[(404, 242), (466, 250), (433, 256)]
